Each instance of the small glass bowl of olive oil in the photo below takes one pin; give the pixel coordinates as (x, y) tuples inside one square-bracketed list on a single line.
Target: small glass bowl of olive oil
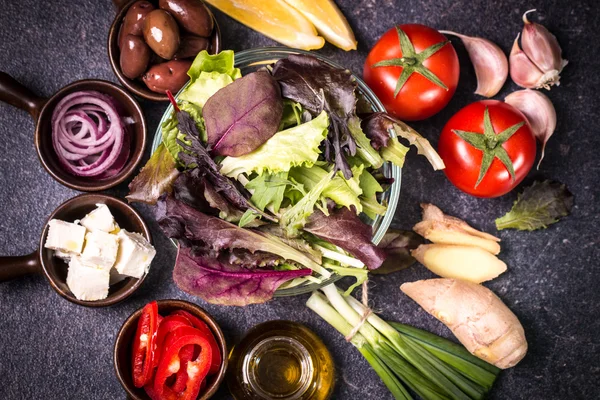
[(281, 360)]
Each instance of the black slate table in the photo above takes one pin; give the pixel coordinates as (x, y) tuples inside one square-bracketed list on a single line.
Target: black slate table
[(52, 349)]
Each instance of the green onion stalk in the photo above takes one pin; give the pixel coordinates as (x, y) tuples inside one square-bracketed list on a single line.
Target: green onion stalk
[(403, 356)]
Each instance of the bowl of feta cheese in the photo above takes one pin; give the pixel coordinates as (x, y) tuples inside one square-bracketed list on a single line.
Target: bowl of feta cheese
[(95, 250)]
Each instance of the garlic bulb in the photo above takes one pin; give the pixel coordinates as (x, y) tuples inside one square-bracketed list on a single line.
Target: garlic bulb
[(489, 61), (540, 62), (539, 111)]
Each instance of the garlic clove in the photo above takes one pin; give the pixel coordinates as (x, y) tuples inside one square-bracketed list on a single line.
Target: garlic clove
[(489, 61), (522, 71), (541, 47), (539, 111)]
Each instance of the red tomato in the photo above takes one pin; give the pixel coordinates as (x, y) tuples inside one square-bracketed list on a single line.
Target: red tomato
[(419, 97), (464, 160)]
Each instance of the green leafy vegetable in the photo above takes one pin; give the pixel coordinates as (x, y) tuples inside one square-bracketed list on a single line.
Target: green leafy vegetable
[(294, 218), (154, 179), (395, 152), (286, 149), (397, 245), (248, 217), (368, 200), (208, 74), (292, 114), (268, 190), (319, 86), (343, 192), (243, 115), (222, 63), (540, 205)]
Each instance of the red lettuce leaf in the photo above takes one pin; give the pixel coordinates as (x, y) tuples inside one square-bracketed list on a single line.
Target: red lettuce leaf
[(154, 179), (344, 229), (196, 156), (226, 284), (180, 221), (243, 115)]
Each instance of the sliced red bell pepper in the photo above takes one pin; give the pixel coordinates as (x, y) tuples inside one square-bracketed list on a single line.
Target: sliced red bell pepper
[(185, 355), (215, 364), (149, 389), (168, 324), (144, 344), (171, 363)]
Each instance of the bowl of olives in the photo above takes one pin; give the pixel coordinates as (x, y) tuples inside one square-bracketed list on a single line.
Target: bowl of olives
[(151, 44)]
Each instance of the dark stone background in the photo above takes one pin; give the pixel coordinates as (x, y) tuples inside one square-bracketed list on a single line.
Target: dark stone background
[(52, 349)]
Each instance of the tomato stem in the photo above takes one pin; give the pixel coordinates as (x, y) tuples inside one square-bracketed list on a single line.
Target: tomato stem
[(411, 61)]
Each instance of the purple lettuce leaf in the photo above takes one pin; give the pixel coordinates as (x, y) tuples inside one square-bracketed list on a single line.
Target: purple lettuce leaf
[(226, 284), (344, 229), (196, 156), (243, 115), (180, 221)]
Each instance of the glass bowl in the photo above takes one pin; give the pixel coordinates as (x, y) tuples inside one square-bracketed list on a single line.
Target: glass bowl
[(251, 60)]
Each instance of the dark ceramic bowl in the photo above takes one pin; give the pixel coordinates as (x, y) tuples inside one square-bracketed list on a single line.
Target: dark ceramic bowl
[(12, 92), (42, 261), (136, 86), (124, 341)]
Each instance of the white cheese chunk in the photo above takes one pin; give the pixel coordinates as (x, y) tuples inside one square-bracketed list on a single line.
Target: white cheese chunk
[(99, 219), (135, 254), (100, 249), (65, 237), (87, 283)]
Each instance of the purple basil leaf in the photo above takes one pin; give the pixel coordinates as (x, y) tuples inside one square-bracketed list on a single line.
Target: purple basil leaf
[(196, 156), (318, 86), (397, 245), (243, 115), (226, 284), (344, 229), (189, 188)]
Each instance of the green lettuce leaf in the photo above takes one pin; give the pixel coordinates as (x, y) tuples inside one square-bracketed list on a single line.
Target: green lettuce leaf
[(268, 190), (343, 192), (364, 150), (370, 187), (540, 205), (286, 149), (394, 152), (292, 114), (208, 74), (294, 218)]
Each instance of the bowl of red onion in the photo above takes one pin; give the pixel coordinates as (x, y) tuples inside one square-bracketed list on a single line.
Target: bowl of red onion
[(89, 136)]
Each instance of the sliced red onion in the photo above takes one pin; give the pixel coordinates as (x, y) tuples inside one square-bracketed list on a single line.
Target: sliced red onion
[(89, 136)]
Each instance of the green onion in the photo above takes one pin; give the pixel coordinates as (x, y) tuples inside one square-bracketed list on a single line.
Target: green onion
[(432, 367)]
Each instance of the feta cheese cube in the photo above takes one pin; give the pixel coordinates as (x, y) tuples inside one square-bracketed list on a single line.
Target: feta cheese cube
[(135, 254), (116, 277), (87, 283), (100, 249), (65, 236), (66, 256), (99, 219)]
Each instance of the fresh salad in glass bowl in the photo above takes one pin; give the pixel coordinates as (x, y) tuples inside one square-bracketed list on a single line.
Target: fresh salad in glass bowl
[(276, 172)]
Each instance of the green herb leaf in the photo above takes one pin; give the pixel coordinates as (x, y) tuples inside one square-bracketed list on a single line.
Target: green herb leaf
[(540, 205), (248, 217)]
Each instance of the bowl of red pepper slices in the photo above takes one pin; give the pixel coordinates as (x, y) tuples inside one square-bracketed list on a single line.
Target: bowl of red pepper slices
[(170, 349)]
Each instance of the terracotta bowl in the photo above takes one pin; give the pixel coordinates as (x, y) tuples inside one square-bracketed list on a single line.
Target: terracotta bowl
[(137, 86), (12, 92), (124, 341), (42, 261)]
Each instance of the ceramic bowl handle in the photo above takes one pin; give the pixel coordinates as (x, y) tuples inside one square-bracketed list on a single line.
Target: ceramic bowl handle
[(14, 267), (15, 94)]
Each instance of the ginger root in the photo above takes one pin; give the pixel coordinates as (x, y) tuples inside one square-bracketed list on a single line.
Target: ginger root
[(470, 263), (444, 229), (476, 316)]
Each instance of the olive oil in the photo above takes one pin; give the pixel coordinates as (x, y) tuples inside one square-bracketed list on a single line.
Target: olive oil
[(281, 360)]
